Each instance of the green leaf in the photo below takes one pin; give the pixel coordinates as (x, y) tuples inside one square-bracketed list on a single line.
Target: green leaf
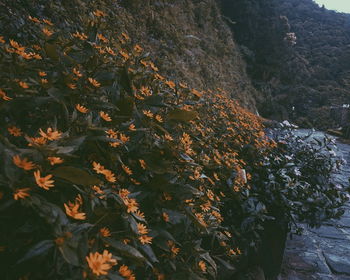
[(38, 249), (69, 254), (76, 176), (182, 115), (51, 51), (125, 250)]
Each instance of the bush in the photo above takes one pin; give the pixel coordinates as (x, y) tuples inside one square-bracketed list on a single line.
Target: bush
[(111, 170)]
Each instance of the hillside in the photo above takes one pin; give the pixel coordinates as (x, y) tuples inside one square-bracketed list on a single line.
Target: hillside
[(312, 74)]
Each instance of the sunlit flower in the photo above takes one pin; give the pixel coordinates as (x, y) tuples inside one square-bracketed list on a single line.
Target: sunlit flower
[(55, 160), (72, 86), (123, 193), (138, 49), (47, 32), (44, 81), (124, 54), (23, 163), (94, 82), (124, 138), (14, 131), (50, 134), (140, 214), (168, 137), (131, 204), (100, 263), (81, 109), (37, 47), (174, 250), (21, 193), (4, 96), (105, 232), (145, 239), (2, 41), (37, 141), (102, 38), (105, 116), (170, 84), (202, 266), (43, 182), (80, 36)]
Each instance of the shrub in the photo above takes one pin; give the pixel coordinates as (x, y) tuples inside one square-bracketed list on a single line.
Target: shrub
[(109, 169)]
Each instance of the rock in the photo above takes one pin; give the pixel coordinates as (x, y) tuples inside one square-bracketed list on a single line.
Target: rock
[(338, 264)]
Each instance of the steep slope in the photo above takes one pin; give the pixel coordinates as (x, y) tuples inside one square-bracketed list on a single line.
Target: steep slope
[(187, 39)]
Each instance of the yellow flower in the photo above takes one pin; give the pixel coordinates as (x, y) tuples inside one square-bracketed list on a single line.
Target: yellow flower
[(47, 32), (159, 118), (102, 38), (80, 36), (124, 54), (109, 175), (138, 49), (105, 116), (21, 193), (81, 109), (142, 163), (15, 131), (127, 170), (37, 141), (165, 217), (94, 82), (43, 182), (144, 239), (126, 272), (23, 163), (72, 86), (132, 127), (105, 232), (99, 13), (2, 41), (202, 266), (77, 72), (131, 204), (55, 160), (100, 263), (50, 134)]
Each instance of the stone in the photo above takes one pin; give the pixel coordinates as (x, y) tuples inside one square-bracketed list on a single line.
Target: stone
[(338, 264)]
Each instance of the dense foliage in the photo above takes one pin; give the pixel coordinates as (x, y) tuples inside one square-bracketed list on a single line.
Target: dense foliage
[(113, 171), (312, 74)]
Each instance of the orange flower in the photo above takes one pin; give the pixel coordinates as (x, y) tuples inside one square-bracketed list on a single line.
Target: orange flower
[(34, 19), (81, 36), (47, 32), (138, 49), (105, 232), (50, 134), (72, 86), (15, 131), (37, 141), (72, 210), (23, 85), (44, 81), (55, 160), (202, 266), (147, 113), (126, 36), (126, 272), (168, 137), (81, 109), (142, 163), (159, 118), (127, 170), (94, 82), (102, 38), (105, 116), (42, 74), (174, 250), (124, 54), (47, 22), (142, 229), (99, 13), (165, 217), (140, 214), (98, 167), (131, 204), (132, 127), (144, 239), (109, 175), (77, 72), (100, 263), (4, 96), (43, 182), (2, 41), (21, 193), (23, 163)]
